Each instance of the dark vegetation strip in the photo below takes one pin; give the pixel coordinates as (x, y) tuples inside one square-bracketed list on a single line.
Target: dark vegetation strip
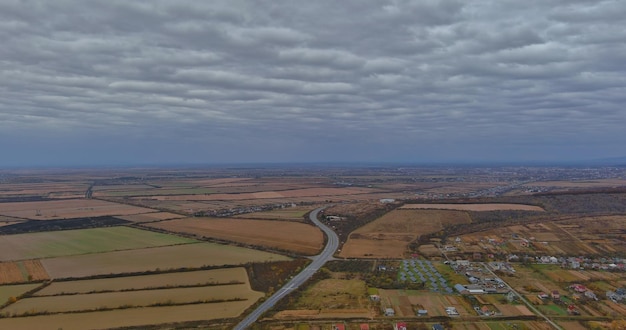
[(33, 226), (25, 199)]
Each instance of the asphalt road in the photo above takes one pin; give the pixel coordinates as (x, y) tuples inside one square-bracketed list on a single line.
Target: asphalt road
[(318, 261)]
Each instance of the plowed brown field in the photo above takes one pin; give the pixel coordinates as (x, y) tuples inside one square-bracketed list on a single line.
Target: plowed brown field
[(15, 272), (291, 236)]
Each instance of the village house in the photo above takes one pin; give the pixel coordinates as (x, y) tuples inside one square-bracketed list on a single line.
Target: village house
[(589, 294), (399, 326), (339, 326), (578, 288), (389, 311)]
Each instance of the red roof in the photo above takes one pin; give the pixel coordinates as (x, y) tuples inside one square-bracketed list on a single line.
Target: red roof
[(365, 326), (400, 326), (340, 326)]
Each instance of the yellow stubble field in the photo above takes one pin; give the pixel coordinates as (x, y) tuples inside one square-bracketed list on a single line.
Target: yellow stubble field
[(284, 235)]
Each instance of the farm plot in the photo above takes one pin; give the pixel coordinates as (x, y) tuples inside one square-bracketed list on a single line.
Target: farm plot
[(530, 325), (130, 317), (513, 310), (43, 189), (299, 193), (290, 236), (474, 207), (331, 294), (67, 209), (390, 235), (22, 271), (290, 213), (142, 282), (150, 259), (8, 291), (83, 241), (142, 298), (407, 302), (529, 280), (149, 217)]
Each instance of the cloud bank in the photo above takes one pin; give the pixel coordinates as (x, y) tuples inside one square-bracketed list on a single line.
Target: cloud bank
[(150, 82)]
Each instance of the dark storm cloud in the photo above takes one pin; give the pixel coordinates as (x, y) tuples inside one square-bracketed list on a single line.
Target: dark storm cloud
[(348, 79)]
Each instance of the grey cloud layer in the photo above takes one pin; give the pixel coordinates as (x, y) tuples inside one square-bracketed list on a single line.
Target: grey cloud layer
[(549, 72)]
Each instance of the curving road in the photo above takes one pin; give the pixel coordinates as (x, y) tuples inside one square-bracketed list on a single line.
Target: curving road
[(318, 261)]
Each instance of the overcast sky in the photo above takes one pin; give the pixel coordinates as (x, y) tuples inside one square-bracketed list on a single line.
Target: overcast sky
[(130, 82)]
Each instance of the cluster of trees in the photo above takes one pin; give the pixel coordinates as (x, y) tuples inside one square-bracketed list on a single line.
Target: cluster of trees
[(345, 227), (350, 266)]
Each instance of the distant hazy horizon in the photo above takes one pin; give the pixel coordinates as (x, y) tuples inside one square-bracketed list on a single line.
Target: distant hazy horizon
[(610, 162)]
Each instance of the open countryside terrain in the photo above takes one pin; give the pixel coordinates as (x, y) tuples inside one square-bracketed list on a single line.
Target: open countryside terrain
[(578, 235), (67, 208), (138, 298), (469, 213), (131, 316), (142, 282), (83, 241), (22, 271), (290, 213), (289, 236), (390, 235), (152, 259), (473, 207)]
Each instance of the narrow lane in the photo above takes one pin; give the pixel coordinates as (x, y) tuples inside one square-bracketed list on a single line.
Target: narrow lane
[(524, 300), (318, 261)]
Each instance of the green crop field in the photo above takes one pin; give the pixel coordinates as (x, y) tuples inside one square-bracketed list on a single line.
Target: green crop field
[(83, 241)]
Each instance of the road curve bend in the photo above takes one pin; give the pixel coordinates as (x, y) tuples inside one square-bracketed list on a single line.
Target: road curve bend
[(318, 261)]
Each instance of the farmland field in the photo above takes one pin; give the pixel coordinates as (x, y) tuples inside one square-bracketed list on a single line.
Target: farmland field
[(7, 291), (141, 298), (130, 317), (473, 207), (22, 271), (149, 217), (306, 192), (72, 242), (290, 213), (201, 277), (332, 294), (291, 236), (168, 257), (389, 235), (404, 301), (51, 190), (579, 235), (69, 208)]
